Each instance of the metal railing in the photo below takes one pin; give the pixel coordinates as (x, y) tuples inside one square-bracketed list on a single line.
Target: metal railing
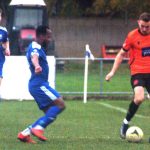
[(101, 91)]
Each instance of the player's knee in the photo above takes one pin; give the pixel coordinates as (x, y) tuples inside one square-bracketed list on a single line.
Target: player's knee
[(60, 103), (138, 100)]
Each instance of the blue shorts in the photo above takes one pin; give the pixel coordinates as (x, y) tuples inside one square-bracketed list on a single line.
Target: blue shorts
[(1, 69), (44, 95), (2, 60)]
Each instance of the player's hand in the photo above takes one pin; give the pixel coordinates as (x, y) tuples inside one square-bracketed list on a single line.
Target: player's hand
[(109, 76), (38, 69), (7, 52)]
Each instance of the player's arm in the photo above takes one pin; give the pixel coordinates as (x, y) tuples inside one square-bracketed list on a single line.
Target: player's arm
[(35, 62), (116, 64), (6, 47)]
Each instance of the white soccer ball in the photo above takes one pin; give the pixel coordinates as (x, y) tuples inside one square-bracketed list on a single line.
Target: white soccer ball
[(134, 134)]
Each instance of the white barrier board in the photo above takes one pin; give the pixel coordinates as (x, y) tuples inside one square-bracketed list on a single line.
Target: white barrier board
[(16, 75)]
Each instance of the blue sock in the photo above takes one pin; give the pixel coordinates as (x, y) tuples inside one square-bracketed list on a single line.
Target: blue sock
[(49, 117)]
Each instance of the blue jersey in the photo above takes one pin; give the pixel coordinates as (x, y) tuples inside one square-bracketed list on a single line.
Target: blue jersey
[(37, 79), (3, 39), (39, 88)]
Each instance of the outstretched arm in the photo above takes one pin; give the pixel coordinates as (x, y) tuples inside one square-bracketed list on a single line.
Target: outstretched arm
[(116, 64)]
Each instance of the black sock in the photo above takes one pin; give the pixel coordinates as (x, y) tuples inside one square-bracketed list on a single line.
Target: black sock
[(131, 111)]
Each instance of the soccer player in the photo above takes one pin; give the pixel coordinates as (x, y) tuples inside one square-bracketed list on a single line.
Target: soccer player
[(137, 43), (47, 99), (4, 46)]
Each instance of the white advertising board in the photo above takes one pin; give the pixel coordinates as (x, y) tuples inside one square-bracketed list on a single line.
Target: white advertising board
[(16, 75)]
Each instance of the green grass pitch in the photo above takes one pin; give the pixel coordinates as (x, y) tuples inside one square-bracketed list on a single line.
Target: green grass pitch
[(91, 126)]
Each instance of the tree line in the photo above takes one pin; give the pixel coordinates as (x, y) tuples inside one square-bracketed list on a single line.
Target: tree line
[(98, 8)]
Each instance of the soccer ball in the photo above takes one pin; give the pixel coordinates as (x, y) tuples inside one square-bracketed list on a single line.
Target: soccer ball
[(134, 134)]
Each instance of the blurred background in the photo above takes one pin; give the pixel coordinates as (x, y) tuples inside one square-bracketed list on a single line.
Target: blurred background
[(103, 24), (96, 22)]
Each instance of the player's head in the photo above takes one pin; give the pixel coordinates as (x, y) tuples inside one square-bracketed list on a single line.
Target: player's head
[(144, 23), (43, 34)]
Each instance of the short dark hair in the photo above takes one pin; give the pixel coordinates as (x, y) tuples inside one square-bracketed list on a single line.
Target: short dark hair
[(145, 17), (41, 30)]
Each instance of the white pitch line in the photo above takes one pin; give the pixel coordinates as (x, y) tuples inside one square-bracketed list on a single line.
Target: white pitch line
[(120, 109)]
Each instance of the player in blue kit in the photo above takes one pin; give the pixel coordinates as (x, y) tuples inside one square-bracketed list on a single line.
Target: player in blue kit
[(47, 98), (4, 47)]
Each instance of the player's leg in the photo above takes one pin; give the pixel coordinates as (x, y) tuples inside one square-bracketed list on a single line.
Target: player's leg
[(138, 87), (133, 107), (0, 85), (25, 138), (147, 86), (148, 90), (50, 116), (50, 101), (2, 60), (1, 75)]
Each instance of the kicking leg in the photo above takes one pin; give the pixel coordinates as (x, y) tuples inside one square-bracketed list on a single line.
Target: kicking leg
[(50, 115), (133, 107)]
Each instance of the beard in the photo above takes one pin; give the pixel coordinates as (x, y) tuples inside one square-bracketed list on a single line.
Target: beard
[(45, 46)]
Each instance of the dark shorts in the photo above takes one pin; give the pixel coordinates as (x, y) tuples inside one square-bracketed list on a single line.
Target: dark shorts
[(141, 80)]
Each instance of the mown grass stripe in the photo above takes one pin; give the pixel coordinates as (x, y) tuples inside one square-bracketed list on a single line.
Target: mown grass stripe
[(120, 109)]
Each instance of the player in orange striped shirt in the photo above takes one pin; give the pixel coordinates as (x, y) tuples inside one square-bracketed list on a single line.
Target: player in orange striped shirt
[(137, 43)]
